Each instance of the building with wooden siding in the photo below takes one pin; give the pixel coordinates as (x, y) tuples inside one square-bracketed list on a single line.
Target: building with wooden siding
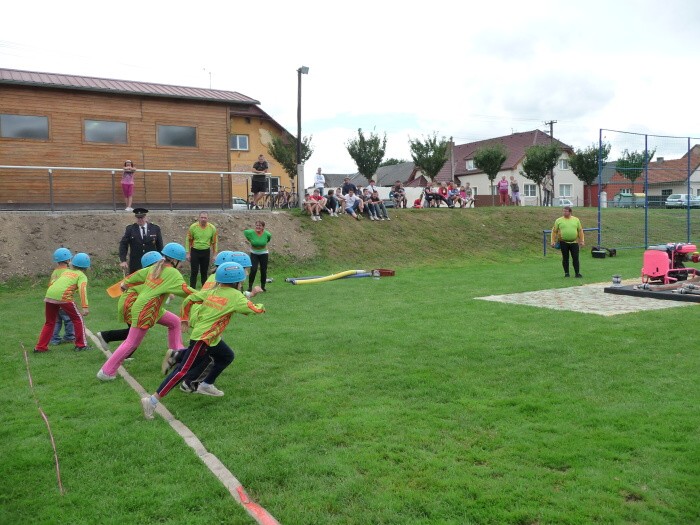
[(73, 121)]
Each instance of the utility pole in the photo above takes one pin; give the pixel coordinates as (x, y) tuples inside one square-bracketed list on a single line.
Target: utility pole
[(551, 172)]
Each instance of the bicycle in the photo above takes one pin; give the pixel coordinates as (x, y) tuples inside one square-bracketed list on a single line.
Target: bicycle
[(286, 199)]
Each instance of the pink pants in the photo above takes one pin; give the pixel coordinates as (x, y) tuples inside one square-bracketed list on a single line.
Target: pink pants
[(127, 189), (136, 335)]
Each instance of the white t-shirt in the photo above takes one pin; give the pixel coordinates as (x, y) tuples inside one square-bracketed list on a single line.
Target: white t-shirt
[(350, 201), (319, 180)]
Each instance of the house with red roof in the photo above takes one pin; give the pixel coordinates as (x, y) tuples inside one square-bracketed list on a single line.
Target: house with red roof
[(460, 168)]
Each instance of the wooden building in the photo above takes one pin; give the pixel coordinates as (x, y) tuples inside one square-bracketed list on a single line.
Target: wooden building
[(82, 122)]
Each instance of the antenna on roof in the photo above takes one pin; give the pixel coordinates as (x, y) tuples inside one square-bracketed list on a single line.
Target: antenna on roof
[(207, 71)]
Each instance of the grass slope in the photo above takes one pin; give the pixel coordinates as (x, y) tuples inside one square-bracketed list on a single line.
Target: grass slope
[(399, 400)]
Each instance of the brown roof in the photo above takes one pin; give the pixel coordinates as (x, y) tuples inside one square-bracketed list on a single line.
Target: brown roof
[(515, 145), (124, 87), (666, 171)]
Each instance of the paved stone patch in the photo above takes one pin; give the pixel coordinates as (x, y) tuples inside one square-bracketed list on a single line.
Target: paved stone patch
[(588, 299)]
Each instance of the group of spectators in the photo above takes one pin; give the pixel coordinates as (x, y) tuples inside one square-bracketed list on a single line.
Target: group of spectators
[(448, 193), (350, 200)]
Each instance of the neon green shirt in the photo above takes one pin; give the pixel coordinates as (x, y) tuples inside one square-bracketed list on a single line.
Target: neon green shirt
[(202, 238), (148, 307), (257, 242), (64, 287), (567, 230), (216, 306)]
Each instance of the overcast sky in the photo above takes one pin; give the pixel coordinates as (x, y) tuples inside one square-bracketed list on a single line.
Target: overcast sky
[(469, 70)]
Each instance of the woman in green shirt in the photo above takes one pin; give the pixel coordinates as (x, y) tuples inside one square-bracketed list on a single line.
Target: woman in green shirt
[(258, 239)]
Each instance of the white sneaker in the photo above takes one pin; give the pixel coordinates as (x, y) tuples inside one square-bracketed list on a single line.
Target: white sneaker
[(148, 407), (169, 362), (318, 218), (313, 218), (128, 209), (208, 390), (387, 218), (371, 217), (381, 218), (104, 377)]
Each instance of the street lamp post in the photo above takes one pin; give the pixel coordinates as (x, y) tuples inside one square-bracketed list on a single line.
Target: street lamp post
[(303, 70)]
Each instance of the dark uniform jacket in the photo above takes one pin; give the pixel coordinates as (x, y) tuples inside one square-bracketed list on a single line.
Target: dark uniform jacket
[(136, 247)]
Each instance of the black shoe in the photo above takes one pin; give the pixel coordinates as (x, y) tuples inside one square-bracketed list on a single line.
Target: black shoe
[(566, 275), (579, 275), (81, 348)]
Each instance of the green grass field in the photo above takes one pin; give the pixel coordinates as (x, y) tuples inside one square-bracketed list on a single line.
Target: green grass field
[(393, 401)]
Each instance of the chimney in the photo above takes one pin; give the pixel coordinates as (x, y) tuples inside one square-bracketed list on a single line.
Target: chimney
[(659, 159)]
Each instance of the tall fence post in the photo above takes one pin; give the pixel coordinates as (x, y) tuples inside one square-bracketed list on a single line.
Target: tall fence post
[(222, 191), (170, 189), (51, 190), (114, 193)]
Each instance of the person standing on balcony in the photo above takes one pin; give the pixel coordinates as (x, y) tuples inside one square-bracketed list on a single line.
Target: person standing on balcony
[(138, 239), (259, 180), (201, 245), (128, 184)]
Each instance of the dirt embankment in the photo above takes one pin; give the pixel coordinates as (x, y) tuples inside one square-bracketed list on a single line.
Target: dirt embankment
[(29, 239)]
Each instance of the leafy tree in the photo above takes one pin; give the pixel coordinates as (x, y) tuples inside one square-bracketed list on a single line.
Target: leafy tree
[(367, 152), (489, 159), (631, 164), (584, 164), (392, 162), (430, 155), (539, 160), (284, 151)]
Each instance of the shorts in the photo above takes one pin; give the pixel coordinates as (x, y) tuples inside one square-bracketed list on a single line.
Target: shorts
[(515, 197), (128, 189), (258, 186)]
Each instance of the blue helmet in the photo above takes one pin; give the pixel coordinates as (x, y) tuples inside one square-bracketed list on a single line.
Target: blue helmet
[(242, 258), (62, 255), (150, 258), (174, 251), (81, 260), (229, 273), (224, 257)]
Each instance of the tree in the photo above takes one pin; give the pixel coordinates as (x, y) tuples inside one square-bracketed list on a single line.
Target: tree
[(539, 160), (430, 155), (284, 151), (392, 162), (584, 164), (489, 159), (367, 152), (631, 165)]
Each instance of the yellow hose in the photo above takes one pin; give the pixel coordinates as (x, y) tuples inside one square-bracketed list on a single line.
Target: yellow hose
[(328, 277)]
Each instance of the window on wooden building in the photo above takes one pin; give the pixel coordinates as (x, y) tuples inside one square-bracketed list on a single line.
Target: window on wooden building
[(239, 142), (182, 136), (105, 131), (24, 127)]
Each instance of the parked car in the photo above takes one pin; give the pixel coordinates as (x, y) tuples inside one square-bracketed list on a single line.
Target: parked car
[(238, 203), (629, 200), (565, 202), (681, 200)]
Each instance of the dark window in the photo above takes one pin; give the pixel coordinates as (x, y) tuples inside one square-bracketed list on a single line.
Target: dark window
[(239, 142), (105, 131), (24, 127), (182, 136)]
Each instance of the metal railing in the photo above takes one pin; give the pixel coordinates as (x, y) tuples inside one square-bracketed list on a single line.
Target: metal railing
[(99, 187)]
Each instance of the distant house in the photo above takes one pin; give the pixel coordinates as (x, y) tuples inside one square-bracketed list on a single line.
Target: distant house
[(461, 168), (49, 119)]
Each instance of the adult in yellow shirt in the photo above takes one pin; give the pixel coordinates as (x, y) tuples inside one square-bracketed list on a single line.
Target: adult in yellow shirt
[(568, 232), (201, 246)]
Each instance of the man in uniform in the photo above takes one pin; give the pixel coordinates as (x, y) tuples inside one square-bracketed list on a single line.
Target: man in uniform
[(139, 238)]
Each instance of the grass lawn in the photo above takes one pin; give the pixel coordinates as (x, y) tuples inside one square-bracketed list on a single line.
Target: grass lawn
[(393, 401)]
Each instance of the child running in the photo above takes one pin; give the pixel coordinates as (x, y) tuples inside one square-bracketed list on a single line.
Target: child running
[(216, 308), (62, 257), (60, 295), (162, 279)]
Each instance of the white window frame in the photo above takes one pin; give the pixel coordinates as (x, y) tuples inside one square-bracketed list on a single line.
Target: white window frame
[(565, 190), (529, 190), (470, 164), (627, 191), (564, 164), (236, 143)]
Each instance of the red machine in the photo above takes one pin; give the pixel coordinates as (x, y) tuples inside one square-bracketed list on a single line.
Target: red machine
[(664, 262)]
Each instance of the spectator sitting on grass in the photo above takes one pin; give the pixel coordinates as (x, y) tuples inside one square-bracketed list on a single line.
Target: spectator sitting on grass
[(398, 193), (347, 186), (341, 201), (468, 196), (314, 204), (454, 196), (444, 193), (378, 203), (370, 208), (353, 204), (331, 204)]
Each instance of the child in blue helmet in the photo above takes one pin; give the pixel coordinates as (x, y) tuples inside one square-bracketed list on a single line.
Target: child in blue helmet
[(216, 308), (61, 257)]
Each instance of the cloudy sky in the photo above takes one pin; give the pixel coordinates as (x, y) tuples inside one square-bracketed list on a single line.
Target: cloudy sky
[(462, 69)]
